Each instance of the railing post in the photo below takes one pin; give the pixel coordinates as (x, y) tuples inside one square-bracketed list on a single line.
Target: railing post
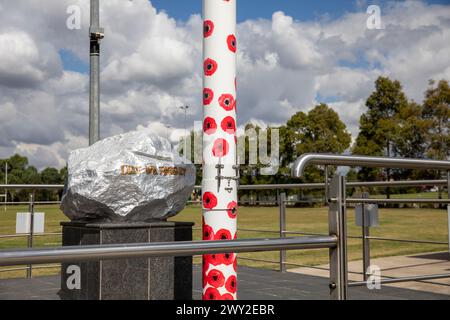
[(327, 186), (282, 207), (31, 233), (365, 238), (448, 209), (337, 227)]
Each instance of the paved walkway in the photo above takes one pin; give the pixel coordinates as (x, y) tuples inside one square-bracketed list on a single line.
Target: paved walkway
[(401, 266), (254, 284)]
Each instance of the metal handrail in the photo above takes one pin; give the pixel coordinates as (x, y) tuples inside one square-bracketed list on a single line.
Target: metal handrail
[(318, 185), (185, 248), (362, 161)]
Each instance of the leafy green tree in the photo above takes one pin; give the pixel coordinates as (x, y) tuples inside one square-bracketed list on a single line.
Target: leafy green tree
[(318, 131), (378, 127), (436, 109)]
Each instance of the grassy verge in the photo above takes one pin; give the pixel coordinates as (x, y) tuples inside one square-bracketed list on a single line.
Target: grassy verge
[(408, 223)]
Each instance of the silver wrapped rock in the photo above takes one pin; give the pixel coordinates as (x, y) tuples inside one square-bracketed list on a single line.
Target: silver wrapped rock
[(129, 177)]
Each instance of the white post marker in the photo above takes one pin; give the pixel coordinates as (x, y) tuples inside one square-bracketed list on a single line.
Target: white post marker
[(220, 171)]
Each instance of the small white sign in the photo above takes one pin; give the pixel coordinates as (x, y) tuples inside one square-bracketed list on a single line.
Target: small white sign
[(23, 220)]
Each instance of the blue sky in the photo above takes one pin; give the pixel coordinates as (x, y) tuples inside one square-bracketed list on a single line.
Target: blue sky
[(253, 9)]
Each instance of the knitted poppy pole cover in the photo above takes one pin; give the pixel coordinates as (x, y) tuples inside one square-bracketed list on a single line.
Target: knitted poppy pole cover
[(219, 185)]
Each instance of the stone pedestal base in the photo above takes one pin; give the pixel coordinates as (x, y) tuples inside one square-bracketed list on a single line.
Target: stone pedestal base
[(157, 278)]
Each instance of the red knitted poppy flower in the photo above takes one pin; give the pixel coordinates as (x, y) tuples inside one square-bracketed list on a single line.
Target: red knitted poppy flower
[(227, 102), (222, 234), (227, 258), (208, 233), (227, 296), (214, 259), (228, 125), (208, 28), (232, 209), (211, 294), (209, 200), (208, 96), (231, 42), (220, 148), (215, 278), (231, 284), (209, 125), (209, 67)]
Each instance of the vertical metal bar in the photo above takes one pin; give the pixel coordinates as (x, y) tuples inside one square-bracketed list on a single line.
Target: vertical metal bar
[(31, 233), (448, 208), (94, 87), (365, 240), (6, 182), (327, 186), (337, 227), (282, 206)]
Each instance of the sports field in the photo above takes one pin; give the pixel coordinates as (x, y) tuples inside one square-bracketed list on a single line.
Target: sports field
[(408, 223)]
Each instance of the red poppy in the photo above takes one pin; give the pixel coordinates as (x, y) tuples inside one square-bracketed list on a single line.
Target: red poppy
[(222, 234), (231, 42), (227, 296), (214, 259), (235, 264), (208, 96), (208, 28), (215, 278), (220, 148), (227, 258), (208, 233), (209, 67), (228, 125), (231, 284), (211, 294), (209, 125), (232, 209), (227, 102), (209, 200)]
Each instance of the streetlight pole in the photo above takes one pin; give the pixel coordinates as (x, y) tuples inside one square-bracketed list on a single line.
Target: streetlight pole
[(96, 34), (185, 108)]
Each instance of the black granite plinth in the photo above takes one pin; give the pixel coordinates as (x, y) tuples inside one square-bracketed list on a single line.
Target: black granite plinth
[(156, 278)]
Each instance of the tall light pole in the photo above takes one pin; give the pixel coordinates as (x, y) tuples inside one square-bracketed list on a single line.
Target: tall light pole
[(96, 34), (185, 108)]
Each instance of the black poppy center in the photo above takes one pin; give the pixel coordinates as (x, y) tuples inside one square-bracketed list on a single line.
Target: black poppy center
[(206, 95), (233, 43), (209, 67), (215, 278), (227, 102), (207, 28), (207, 200)]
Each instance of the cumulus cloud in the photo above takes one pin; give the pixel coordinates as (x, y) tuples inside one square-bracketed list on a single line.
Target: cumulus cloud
[(151, 65)]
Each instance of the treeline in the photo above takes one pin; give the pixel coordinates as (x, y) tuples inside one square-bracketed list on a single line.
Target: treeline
[(20, 172), (392, 126)]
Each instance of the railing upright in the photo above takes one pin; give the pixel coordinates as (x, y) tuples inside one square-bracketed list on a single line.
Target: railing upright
[(337, 222), (365, 238), (282, 207)]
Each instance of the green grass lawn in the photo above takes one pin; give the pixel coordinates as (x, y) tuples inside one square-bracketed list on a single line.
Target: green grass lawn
[(409, 223)]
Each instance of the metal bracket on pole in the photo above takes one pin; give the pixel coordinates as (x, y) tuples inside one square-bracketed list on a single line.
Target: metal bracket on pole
[(337, 227)]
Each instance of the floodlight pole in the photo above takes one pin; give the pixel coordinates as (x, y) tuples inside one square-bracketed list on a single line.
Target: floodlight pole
[(96, 34)]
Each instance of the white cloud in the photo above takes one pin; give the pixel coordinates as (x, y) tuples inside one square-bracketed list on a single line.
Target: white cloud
[(151, 65)]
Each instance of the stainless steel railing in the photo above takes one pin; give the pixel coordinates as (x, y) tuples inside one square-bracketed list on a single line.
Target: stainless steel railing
[(338, 201)]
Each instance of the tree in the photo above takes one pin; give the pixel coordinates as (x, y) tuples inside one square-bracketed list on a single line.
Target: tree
[(378, 127), (318, 131), (436, 109)]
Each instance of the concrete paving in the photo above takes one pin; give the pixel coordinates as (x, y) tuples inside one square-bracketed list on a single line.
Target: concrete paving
[(253, 284), (400, 266)]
